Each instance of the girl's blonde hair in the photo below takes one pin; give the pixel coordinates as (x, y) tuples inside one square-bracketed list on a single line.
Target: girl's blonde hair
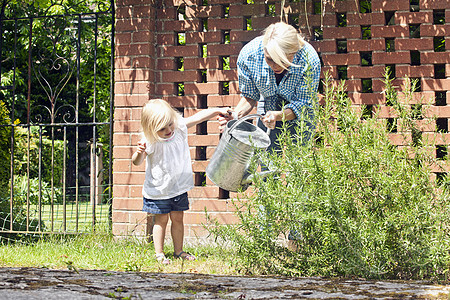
[(157, 114), (281, 39)]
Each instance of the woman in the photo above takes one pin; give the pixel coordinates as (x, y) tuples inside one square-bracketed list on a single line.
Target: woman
[(279, 72)]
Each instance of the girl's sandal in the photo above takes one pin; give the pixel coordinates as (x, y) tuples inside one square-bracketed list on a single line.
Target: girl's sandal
[(185, 256), (161, 258)]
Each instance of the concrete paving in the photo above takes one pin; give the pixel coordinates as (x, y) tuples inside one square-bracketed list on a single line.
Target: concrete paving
[(35, 283)]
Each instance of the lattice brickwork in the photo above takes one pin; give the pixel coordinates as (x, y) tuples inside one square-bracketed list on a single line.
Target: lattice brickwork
[(185, 52)]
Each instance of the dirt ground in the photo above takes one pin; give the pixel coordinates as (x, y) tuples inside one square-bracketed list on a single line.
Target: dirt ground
[(40, 283)]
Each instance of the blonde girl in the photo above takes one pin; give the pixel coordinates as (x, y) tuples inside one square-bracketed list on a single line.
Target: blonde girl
[(168, 173)]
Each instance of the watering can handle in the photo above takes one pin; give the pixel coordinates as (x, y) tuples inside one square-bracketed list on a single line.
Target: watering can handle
[(239, 121)]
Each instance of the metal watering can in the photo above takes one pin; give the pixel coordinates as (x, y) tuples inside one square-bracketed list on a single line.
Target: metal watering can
[(229, 164)]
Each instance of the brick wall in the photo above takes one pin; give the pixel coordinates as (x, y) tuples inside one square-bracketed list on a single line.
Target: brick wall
[(185, 52)]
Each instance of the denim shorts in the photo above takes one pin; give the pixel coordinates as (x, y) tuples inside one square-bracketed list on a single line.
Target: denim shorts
[(165, 206)]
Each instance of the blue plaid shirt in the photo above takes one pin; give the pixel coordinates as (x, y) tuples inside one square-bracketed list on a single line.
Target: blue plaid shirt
[(298, 88)]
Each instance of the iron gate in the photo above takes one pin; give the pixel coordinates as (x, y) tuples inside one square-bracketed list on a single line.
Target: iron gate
[(56, 114)]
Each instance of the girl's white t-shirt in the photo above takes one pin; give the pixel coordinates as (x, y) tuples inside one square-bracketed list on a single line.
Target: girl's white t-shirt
[(168, 170)]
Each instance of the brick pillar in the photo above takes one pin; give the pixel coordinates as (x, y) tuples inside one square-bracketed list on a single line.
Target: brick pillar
[(134, 85)]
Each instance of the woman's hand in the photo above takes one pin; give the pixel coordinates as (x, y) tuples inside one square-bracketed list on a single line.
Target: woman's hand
[(269, 119)]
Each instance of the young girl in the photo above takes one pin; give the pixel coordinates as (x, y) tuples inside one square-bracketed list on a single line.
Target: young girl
[(168, 173)]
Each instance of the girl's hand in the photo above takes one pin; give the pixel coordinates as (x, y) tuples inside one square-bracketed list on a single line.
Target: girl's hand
[(225, 115), (141, 147)]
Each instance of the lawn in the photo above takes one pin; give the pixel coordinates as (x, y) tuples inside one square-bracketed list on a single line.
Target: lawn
[(74, 222)]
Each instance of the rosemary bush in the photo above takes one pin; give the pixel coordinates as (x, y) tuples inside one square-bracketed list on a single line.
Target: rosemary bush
[(355, 204)]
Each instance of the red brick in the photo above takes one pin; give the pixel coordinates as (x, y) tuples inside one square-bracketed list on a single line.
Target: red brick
[(341, 59), (166, 13), (144, 62), (341, 6), (131, 87), (367, 98), (390, 58), (325, 46), (365, 72), (436, 84), (123, 152), (180, 51), (133, 75), (120, 217), (203, 140), (222, 75), (122, 114), (199, 165), (181, 26), (127, 203), (128, 178), (204, 37), (127, 126), (434, 58), (215, 205), (204, 11), (223, 100), (179, 76), (341, 32), (123, 12), (135, 49), (243, 36), (434, 30), (122, 139), (204, 192), (434, 4), (414, 44), (438, 111), (224, 50), (414, 71), (196, 63), (166, 38), (201, 88), (143, 12), (353, 85), (391, 31), (366, 45), (123, 38), (250, 10), (130, 100), (143, 37), (134, 25), (138, 217), (122, 62), (389, 5), (374, 18), (413, 17), (165, 89)]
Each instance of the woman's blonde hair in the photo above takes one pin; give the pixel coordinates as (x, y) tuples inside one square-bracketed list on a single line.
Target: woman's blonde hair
[(281, 39), (157, 114)]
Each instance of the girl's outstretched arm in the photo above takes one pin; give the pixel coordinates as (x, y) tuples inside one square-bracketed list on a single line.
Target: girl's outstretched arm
[(207, 114)]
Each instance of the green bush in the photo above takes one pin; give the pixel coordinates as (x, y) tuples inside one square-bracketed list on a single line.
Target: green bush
[(21, 155), (355, 204), (21, 190), (5, 147)]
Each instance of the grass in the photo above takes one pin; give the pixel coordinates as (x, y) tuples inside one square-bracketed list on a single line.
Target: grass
[(84, 216), (104, 252)]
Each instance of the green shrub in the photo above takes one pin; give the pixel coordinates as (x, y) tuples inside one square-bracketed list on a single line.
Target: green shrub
[(21, 155), (355, 204), (5, 149)]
